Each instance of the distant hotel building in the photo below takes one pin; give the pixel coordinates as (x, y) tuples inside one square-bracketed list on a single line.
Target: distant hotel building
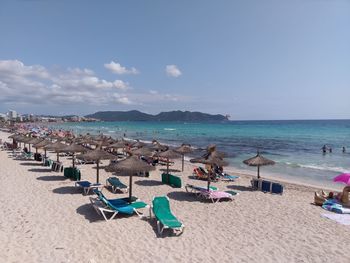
[(12, 115)]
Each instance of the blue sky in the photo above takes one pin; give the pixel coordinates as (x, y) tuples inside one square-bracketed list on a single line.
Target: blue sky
[(250, 59)]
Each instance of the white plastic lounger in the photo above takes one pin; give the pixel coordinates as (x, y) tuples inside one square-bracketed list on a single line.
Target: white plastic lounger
[(87, 186), (102, 209), (117, 206), (216, 196)]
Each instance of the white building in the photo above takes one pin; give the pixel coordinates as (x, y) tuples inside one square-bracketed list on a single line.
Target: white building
[(12, 114), (3, 117)]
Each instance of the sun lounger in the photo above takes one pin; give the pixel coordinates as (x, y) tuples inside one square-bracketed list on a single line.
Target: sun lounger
[(190, 188), (202, 174), (87, 186), (116, 185), (171, 180), (23, 155), (267, 186), (164, 216), (102, 205), (276, 188), (73, 173), (215, 196), (227, 178), (57, 167), (100, 195)]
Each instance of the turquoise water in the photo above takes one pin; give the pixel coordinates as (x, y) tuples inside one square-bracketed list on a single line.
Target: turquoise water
[(294, 145)]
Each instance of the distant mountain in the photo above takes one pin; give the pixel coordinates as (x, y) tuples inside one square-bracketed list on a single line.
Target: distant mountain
[(134, 115)]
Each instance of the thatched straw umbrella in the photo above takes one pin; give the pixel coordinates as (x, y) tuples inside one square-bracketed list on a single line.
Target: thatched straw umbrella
[(143, 151), (183, 149), (25, 141), (74, 148), (56, 147), (118, 145), (14, 138), (258, 161), (138, 144), (212, 157), (158, 147), (35, 141), (102, 143), (42, 144), (97, 155), (130, 166), (169, 154)]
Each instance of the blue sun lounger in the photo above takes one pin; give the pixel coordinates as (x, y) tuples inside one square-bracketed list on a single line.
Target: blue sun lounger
[(87, 186), (116, 184), (102, 205), (267, 186)]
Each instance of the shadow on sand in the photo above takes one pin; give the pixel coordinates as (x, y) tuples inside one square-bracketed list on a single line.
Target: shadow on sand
[(67, 190), (170, 170), (32, 164), (148, 183), (51, 178), (89, 213), (38, 170), (240, 188), (167, 233), (183, 196)]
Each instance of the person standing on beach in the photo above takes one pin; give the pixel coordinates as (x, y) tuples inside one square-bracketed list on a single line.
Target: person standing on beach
[(344, 150), (324, 149)]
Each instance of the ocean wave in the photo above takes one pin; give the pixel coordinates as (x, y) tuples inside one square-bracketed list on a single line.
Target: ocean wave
[(317, 167), (169, 129)]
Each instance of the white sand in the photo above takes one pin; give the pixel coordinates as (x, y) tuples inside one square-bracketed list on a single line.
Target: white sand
[(44, 219)]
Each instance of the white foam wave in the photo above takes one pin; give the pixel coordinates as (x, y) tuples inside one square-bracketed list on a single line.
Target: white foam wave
[(318, 167)]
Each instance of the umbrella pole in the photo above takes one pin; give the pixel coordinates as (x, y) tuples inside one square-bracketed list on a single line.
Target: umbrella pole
[(130, 188), (73, 156), (258, 171), (58, 157), (183, 162), (167, 169), (98, 171), (209, 173), (29, 148), (45, 153)]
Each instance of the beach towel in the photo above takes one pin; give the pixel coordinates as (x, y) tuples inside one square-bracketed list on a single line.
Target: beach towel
[(334, 206), (341, 219)]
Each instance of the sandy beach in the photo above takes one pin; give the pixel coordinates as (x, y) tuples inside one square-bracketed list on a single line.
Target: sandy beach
[(45, 219)]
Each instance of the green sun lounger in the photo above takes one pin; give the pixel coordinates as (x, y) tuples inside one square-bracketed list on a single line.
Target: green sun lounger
[(164, 216), (171, 180)]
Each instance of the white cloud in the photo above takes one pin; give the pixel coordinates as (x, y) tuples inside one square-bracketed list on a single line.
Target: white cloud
[(35, 85), (153, 92), (122, 99), (173, 71), (119, 84), (38, 85), (116, 68)]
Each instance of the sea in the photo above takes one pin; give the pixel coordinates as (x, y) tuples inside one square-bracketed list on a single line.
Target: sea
[(295, 145)]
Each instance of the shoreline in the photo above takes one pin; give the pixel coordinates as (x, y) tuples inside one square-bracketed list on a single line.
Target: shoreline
[(250, 174)]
